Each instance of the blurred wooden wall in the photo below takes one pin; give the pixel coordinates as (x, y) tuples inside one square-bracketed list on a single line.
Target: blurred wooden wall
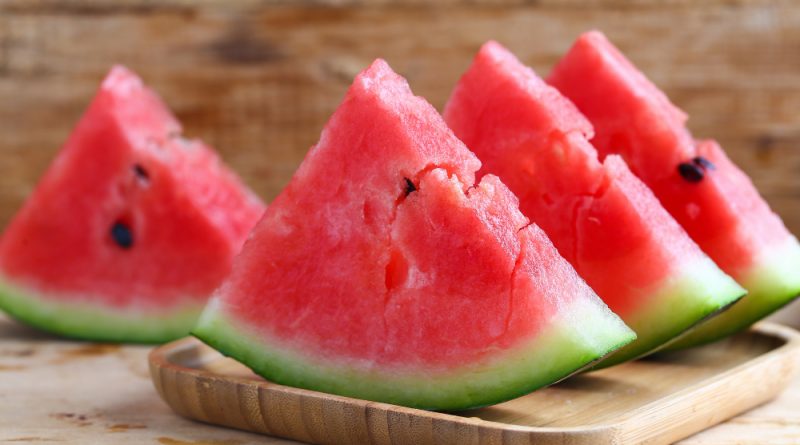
[(258, 79)]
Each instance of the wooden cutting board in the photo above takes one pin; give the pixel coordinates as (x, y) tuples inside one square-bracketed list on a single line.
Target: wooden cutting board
[(656, 400), (56, 391)]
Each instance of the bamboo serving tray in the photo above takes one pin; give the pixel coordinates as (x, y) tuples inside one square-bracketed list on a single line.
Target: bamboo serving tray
[(656, 401)]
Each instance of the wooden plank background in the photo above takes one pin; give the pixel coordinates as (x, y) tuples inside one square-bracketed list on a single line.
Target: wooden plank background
[(258, 79)]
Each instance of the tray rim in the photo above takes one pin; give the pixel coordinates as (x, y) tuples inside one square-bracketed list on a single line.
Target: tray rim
[(159, 359)]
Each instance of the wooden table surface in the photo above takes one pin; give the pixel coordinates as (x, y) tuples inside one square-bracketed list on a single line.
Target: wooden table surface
[(58, 391)]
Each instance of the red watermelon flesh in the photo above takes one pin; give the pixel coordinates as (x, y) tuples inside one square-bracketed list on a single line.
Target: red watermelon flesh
[(384, 272), (601, 218), (706, 193), (131, 228)]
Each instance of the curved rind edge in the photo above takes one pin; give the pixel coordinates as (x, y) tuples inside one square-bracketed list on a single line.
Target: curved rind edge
[(772, 283), (555, 353), (86, 321), (686, 301)]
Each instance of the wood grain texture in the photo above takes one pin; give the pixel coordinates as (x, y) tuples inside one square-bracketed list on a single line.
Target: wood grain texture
[(258, 79), (58, 391), (654, 401), (54, 391)]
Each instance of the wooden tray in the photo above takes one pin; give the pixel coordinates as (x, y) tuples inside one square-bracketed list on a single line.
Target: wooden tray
[(656, 400)]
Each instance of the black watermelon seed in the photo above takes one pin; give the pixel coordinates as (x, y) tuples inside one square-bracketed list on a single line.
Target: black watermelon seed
[(704, 163), (122, 235), (409, 186), (141, 172), (690, 172)]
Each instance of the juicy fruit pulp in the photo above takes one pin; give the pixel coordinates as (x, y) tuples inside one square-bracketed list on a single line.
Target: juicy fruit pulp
[(384, 272), (602, 219), (131, 228), (703, 190)]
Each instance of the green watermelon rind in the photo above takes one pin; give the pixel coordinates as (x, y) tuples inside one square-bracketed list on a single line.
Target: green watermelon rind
[(85, 321), (586, 334), (686, 301), (772, 283)]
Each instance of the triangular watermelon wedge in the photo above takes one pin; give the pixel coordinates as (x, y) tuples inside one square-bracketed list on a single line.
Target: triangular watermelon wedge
[(384, 272), (131, 228), (602, 219), (706, 193)]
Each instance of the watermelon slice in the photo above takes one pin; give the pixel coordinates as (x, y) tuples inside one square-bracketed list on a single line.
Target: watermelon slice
[(384, 272), (601, 218), (131, 228), (709, 196)]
